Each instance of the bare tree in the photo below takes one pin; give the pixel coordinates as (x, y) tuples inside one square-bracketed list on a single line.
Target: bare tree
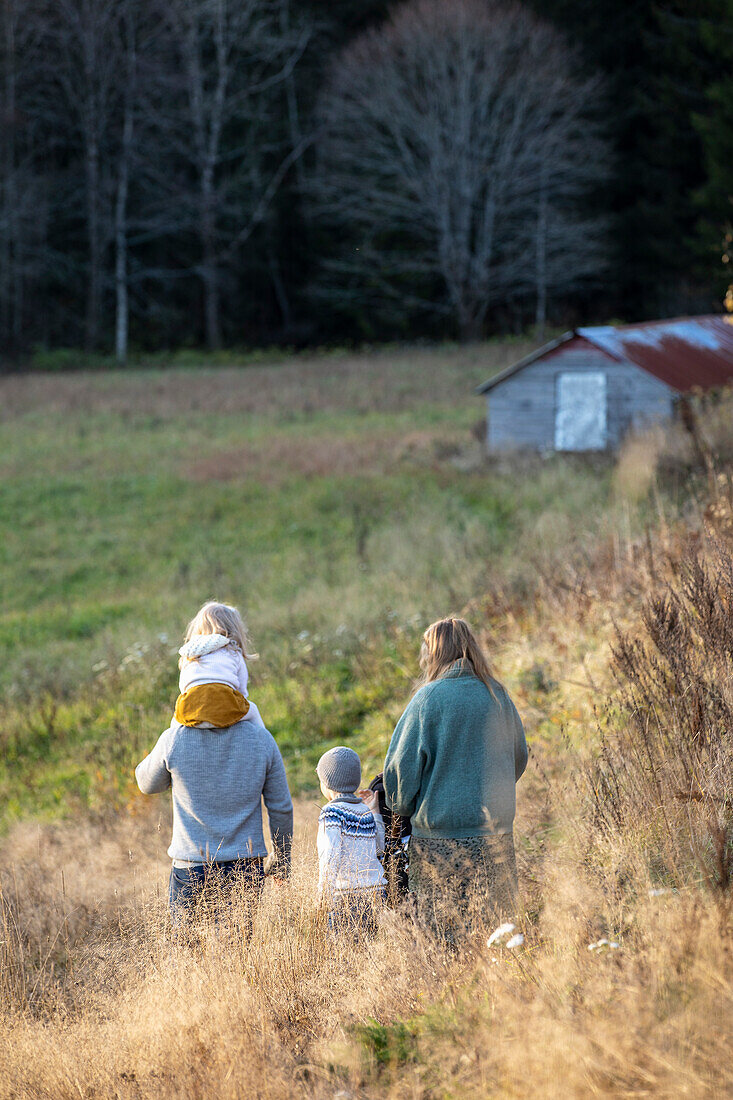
[(80, 79), (130, 27), (9, 281), (218, 125), (445, 133), (157, 126), (23, 206)]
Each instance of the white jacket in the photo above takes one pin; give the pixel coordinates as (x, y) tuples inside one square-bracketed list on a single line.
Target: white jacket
[(350, 837), (214, 659)]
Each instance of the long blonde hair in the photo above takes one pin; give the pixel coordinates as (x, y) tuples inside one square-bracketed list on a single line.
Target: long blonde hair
[(220, 618), (447, 641)]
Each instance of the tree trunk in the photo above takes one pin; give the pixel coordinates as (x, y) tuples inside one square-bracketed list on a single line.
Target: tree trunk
[(209, 269), (9, 273), (541, 262), (470, 321), (211, 305), (122, 306), (93, 236), (281, 293), (296, 133), (123, 182), (470, 329)]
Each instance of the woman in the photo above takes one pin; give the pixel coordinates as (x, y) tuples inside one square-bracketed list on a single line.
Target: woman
[(455, 756)]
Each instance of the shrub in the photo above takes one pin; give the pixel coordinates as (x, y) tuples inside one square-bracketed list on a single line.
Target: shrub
[(666, 755)]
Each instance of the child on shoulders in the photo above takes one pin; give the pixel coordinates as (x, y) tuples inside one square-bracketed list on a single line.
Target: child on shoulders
[(350, 839), (213, 671), (218, 778)]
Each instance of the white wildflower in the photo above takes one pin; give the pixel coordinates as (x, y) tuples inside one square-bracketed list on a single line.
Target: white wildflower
[(601, 944), (499, 933), (515, 941)]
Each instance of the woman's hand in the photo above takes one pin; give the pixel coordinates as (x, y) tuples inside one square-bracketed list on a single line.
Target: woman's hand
[(370, 799)]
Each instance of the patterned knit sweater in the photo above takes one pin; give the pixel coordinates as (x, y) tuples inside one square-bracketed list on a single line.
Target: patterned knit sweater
[(350, 838)]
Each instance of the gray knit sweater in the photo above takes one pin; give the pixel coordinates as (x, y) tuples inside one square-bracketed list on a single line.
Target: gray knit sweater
[(219, 778)]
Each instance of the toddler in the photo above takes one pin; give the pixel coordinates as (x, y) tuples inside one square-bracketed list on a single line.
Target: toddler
[(213, 679), (350, 838)]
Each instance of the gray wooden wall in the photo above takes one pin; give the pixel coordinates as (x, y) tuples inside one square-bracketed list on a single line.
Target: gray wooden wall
[(521, 410)]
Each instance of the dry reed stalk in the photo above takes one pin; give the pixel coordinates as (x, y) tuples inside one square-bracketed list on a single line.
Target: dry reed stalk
[(288, 1013)]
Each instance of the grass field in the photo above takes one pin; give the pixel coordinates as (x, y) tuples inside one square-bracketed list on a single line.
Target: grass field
[(343, 502)]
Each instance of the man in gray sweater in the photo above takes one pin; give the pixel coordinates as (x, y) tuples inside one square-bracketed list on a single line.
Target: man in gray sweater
[(218, 779)]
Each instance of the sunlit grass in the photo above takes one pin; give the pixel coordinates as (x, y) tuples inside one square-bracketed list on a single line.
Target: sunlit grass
[(121, 512), (334, 499)]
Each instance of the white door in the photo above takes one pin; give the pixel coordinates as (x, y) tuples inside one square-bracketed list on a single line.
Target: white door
[(580, 411)]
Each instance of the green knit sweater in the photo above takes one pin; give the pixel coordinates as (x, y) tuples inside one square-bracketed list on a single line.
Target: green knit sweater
[(455, 756)]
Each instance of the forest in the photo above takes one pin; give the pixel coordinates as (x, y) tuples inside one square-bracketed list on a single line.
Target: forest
[(245, 173)]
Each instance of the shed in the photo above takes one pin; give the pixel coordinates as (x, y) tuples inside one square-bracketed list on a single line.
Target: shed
[(585, 390)]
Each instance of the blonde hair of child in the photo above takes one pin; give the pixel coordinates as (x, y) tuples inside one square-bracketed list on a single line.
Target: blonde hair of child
[(447, 641), (220, 618)]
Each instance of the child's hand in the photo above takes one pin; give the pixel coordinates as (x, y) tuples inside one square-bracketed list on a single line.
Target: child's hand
[(370, 799)]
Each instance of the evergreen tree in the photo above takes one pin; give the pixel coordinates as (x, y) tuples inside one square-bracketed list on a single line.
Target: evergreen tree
[(714, 124), (659, 64), (671, 163)]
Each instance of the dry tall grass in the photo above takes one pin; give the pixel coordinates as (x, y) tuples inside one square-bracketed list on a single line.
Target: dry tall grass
[(99, 1001), (667, 763), (624, 986), (363, 382)]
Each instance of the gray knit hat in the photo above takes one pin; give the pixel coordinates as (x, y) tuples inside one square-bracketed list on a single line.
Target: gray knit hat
[(340, 770)]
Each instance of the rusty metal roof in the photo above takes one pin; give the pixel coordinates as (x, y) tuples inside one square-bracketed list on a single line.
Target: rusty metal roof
[(687, 353)]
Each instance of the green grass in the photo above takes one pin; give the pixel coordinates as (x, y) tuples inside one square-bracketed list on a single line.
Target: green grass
[(342, 504)]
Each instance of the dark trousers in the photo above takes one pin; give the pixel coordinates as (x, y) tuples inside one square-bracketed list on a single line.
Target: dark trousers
[(356, 912), (395, 863), (201, 884)]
